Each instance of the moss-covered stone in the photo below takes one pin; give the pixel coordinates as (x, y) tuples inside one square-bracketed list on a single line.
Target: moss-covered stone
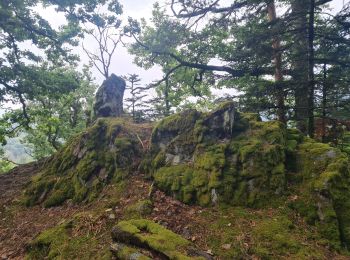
[(323, 187), (149, 235), (221, 156), (124, 252), (107, 151), (140, 209)]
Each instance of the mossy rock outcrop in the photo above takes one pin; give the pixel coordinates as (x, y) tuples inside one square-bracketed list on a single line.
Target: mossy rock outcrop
[(234, 158), (109, 150), (219, 157), (321, 184), (133, 235)]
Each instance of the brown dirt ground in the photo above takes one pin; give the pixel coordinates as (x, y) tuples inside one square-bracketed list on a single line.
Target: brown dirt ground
[(20, 224)]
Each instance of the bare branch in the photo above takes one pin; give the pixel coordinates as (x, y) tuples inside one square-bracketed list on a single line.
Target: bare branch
[(210, 9)]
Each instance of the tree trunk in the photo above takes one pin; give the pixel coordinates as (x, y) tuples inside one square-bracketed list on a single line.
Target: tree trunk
[(311, 76), (324, 102), (133, 99), (300, 64), (166, 98), (277, 59)]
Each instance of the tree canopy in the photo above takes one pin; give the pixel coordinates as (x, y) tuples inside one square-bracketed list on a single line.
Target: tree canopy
[(274, 57), (287, 60)]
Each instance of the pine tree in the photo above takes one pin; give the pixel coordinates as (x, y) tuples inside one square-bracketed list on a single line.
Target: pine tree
[(135, 102)]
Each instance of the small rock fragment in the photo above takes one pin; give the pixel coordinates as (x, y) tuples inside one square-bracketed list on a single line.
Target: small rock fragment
[(226, 246)]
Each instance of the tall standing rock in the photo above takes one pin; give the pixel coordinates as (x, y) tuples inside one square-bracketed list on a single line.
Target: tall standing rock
[(109, 97)]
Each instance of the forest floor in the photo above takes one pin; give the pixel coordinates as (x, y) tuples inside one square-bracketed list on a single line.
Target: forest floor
[(20, 224), (227, 233)]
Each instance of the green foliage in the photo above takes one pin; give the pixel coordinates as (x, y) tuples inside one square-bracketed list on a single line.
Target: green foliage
[(5, 165), (188, 38), (47, 92), (135, 104), (54, 119)]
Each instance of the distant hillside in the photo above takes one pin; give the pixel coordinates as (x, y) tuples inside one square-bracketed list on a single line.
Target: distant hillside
[(17, 152)]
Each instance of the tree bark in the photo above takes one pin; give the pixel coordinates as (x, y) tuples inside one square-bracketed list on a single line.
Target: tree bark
[(311, 76), (300, 64), (324, 102), (166, 98), (277, 59)]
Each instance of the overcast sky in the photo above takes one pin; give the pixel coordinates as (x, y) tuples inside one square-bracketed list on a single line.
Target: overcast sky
[(122, 63)]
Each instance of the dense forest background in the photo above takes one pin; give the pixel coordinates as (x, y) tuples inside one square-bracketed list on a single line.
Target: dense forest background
[(286, 60)]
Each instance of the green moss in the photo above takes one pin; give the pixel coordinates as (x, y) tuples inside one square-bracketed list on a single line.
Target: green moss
[(243, 170), (58, 243), (159, 160), (140, 209), (278, 237), (323, 172), (61, 193), (176, 122), (109, 150), (295, 134), (292, 145), (251, 117), (48, 243), (262, 234), (36, 190), (122, 251), (147, 234)]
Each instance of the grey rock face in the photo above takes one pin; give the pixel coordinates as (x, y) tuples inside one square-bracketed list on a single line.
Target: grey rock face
[(109, 98), (220, 122)]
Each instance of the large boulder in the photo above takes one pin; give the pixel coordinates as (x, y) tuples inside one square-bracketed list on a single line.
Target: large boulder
[(221, 156), (109, 98), (321, 188)]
